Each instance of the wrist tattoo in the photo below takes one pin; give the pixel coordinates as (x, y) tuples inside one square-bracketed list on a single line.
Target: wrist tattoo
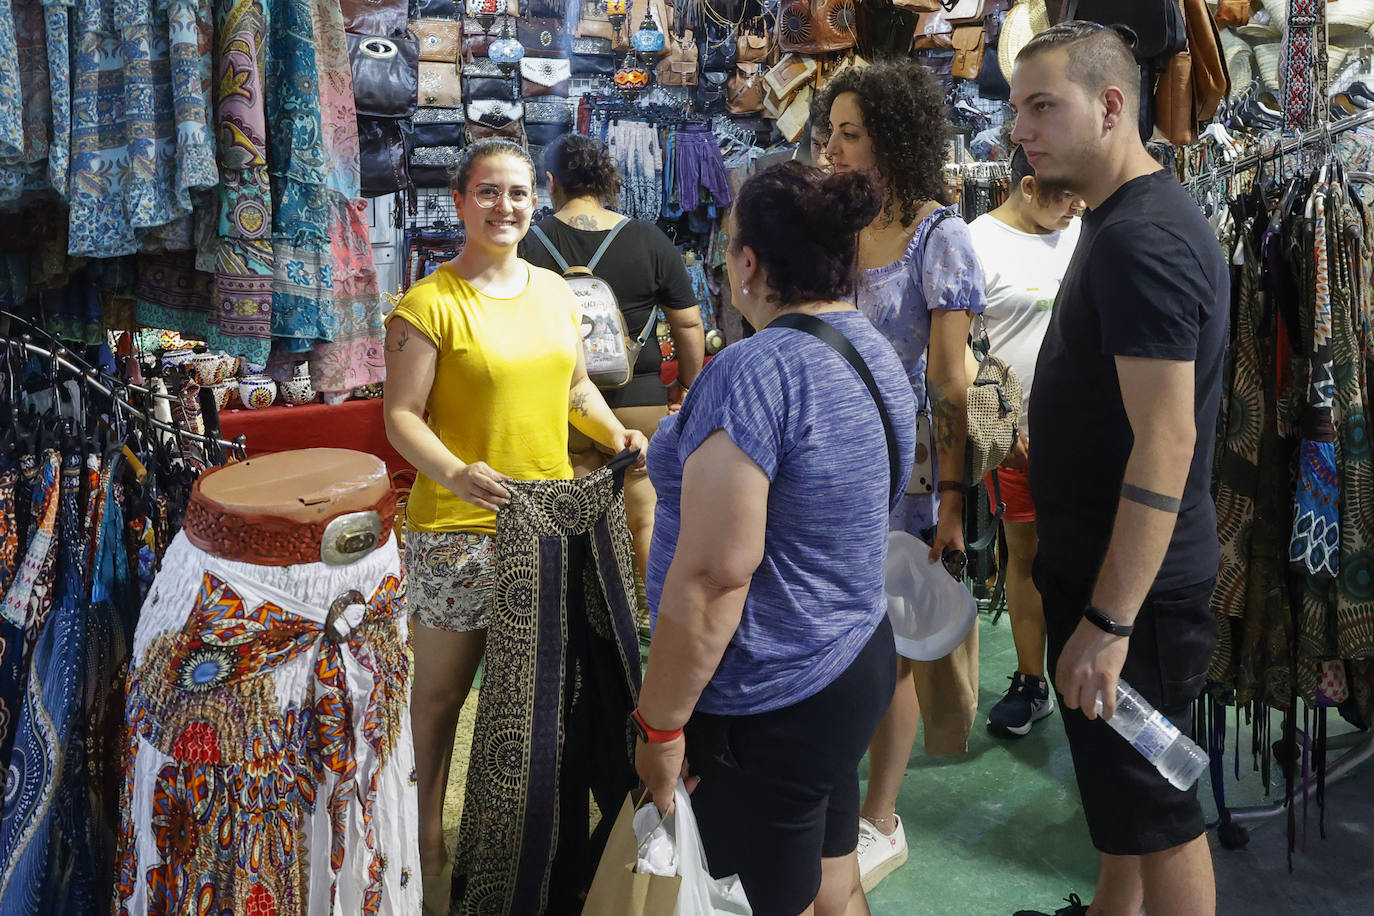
[(1150, 498), (579, 403)]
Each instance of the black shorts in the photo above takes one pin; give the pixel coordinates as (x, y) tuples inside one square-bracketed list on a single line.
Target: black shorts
[(780, 790), (1130, 808)]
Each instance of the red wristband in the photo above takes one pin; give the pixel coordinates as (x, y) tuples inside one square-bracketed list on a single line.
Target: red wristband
[(651, 735)]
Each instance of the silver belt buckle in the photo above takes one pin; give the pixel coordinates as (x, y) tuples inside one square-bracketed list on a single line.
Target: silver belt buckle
[(350, 537)]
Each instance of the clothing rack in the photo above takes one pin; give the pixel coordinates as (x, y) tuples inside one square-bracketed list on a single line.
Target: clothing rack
[(1284, 148), (90, 377)]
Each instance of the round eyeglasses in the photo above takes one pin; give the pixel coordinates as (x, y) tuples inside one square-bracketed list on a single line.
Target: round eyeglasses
[(488, 196)]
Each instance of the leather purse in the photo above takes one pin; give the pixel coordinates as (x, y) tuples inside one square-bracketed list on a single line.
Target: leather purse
[(374, 17), (439, 85), (963, 12), (493, 118), (439, 9), (792, 122), (970, 43), (933, 32), (816, 26), (476, 40), (711, 92), (679, 65), (546, 9), (543, 37), (483, 79), (432, 166), (1233, 13), (382, 156), (717, 48), (546, 121), (540, 76), (744, 92), (752, 48), (592, 57), (1211, 79), (438, 39), (438, 133), (384, 75)]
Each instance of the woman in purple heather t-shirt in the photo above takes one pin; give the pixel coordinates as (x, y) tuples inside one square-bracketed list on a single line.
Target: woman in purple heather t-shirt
[(771, 642)]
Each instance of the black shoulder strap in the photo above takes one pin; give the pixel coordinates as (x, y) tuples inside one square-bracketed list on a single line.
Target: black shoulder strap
[(818, 328)]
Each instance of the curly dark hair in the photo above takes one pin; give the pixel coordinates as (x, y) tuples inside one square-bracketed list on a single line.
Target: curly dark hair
[(804, 227), (474, 153), (583, 167), (904, 112)]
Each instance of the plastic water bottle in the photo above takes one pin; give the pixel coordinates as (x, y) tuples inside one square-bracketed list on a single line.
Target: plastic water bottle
[(1174, 754)]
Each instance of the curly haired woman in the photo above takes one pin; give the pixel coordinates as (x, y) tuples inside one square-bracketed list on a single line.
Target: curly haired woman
[(920, 285)]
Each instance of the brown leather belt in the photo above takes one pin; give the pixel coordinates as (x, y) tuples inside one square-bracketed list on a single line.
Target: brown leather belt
[(270, 540)]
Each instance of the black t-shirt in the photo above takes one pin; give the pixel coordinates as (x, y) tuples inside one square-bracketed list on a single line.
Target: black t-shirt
[(1148, 279), (644, 269)]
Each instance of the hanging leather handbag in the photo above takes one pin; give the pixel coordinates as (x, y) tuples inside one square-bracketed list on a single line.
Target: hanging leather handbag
[(439, 85), (382, 156), (483, 79), (477, 40), (432, 166), (1153, 30), (933, 32), (437, 133), (492, 118), (543, 37), (717, 48), (752, 48), (711, 92), (884, 31), (994, 16), (540, 76), (593, 21), (962, 12), (816, 26), (788, 75), (546, 9), (438, 9), (1211, 79), (744, 92), (969, 47), (592, 57), (792, 122), (438, 39), (374, 17), (1233, 13), (679, 66), (1174, 103), (547, 120), (384, 75)]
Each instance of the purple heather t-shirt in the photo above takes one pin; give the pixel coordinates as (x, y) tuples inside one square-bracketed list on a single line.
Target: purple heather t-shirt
[(797, 408)]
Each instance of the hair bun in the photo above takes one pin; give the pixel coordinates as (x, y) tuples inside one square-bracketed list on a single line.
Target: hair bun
[(848, 201)]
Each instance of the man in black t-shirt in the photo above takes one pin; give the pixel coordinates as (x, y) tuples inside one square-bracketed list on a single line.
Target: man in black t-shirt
[(1127, 388)]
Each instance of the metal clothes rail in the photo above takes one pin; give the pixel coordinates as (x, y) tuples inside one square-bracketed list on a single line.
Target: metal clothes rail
[(1286, 147)]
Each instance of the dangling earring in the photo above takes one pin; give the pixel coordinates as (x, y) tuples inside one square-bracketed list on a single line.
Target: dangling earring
[(744, 289)]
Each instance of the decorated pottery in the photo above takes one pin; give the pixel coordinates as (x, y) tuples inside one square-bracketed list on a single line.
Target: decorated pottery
[(297, 391), (257, 391), (223, 392), (205, 367), (177, 359)]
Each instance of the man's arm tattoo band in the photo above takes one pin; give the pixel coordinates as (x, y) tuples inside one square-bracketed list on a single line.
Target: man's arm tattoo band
[(1150, 498)]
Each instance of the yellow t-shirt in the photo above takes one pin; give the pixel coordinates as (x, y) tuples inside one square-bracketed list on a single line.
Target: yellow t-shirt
[(500, 392)]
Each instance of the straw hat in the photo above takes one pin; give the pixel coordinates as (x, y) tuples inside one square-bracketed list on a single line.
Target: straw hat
[(1267, 23), (1349, 18), (1024, 21), (1240, 59)]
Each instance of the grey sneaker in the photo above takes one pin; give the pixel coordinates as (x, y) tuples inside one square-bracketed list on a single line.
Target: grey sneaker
[(1028, 700)]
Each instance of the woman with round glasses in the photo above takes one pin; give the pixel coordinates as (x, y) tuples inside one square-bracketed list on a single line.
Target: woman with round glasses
[(484, 373)]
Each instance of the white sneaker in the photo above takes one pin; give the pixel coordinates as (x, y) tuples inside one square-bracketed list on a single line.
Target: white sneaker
[(879, 855)]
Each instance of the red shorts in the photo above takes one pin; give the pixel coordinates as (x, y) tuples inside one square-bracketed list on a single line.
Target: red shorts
[(1015, 493)]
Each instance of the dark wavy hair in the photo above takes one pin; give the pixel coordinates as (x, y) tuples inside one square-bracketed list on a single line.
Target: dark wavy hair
[(904, 112), (474, 153), (583, 167), (804, 227)]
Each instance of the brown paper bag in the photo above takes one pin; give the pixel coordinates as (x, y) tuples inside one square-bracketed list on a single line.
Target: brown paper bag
[(617, 889)]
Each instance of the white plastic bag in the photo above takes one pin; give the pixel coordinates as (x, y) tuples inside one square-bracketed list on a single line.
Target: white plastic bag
[(931, 613), (699, 894)]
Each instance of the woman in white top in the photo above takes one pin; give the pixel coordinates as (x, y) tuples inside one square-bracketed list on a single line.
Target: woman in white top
[(1024, 246)]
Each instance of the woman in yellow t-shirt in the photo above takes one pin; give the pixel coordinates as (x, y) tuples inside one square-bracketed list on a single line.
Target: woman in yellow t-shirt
[(484, 373)]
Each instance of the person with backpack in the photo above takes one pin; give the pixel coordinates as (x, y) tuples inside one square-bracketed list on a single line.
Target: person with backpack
[(645, 272)]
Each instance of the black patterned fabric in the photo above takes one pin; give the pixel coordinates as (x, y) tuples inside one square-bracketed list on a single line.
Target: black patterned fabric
[(560, 676)]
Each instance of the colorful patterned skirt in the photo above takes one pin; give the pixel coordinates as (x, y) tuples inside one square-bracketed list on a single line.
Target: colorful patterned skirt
[(270, 766)]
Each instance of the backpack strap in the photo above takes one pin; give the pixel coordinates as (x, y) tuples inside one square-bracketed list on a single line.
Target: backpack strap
[(562, 262), (558, 258), (606, 243)]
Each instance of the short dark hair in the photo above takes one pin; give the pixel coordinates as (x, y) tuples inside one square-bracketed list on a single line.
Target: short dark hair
[(905, 114), (804, 227), (489, 148), (1097, 57), (583, 167)]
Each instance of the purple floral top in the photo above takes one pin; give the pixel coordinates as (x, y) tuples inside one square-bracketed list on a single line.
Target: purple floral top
[(898, 299)]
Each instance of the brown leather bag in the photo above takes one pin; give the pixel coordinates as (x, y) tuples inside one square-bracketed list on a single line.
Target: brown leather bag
[(1233, 13), (1174, 101), (439, 85), (970, 43), (1211, 81), (751, 48), (679, 66), (374, 17), (933, 32), (440, 39), (816, 26), (744, 92)]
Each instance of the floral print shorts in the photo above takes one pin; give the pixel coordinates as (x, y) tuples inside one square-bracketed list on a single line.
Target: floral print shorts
[(449, 578)]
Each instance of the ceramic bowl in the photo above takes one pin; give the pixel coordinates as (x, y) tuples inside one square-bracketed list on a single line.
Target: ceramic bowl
[(297, 391), (205, 367), (223, 392), (227, 366), (257, 391), (172, 359)]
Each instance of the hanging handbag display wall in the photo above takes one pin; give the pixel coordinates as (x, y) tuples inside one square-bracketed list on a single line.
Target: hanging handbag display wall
[(816, 26), (541, 76), (384, 75), (543, 37)]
